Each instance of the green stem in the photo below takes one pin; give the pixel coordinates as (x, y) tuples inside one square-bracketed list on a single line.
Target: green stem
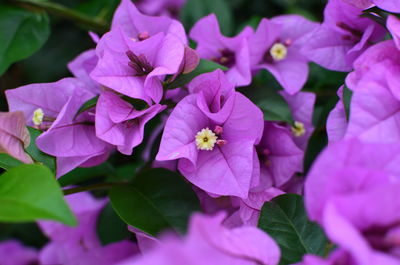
[(97, 25), (97, 186)]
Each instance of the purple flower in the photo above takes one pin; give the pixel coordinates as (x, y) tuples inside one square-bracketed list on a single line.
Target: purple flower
[(389, 5), (375, 104), (280, 157), (208, 242), (138, 68), (82, 66), (169, 8), (14, 253), (342, 37), (214, 128), (336, 124), (120, 124), (393, 25), (352, 190), (302, 109), (14, 136), (80, 245), (53, 108), (138, 26), (230, 52), (276, 46)]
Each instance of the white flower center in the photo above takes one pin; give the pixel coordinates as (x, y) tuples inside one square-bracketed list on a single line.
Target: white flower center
[(206, 139), (298, 129), (278, 51), (38, 116)]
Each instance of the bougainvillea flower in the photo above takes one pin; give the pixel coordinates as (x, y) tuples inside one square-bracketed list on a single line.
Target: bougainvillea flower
[(209, 242), (137, 68), (250, 208), (280, 157), (348, 176), (362, 4), (375, 108), (138, 26), (343, 166), (169, 8), (230, 52), (82, 66), (336, 123), (276, 46), (302, 109), (14, 253), (120, 124), (80, 245), (343, 36), (336, 257), (216, 128), (388, 5), (372, 63), (53, 108), (14, 136), (393, 25)]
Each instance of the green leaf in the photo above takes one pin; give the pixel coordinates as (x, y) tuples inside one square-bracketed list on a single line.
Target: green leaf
[(197, 9), (88, 105), (264, 92), (79, 175), (158, 199), (31, 193), (204, 66), (7, 162), (347, 94), (285, 219), (110, 228), (21, 34), (38, 155)]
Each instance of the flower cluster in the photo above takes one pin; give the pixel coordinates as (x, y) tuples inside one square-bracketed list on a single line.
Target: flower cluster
[(233, 157)]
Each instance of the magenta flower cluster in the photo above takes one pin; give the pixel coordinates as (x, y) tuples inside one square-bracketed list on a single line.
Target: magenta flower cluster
[(217, 138)]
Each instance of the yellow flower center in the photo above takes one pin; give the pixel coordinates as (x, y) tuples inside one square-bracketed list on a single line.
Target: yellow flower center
[(298, 129), (278, 51), (206, 139), (38, 116)]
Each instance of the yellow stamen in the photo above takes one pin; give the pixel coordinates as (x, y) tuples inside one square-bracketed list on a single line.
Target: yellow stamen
[(278, 51), (298, 129), (38, 116), (206, 139)]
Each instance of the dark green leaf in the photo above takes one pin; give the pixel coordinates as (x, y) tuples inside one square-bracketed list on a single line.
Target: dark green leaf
[(31, 193), (79, 175), (158, 199), (7, 162), (138, 104), (285, 219), (99, 9), (196, 9), (110, 228), (204, 66), (38, 155), (21, 34), (88, 105), (347, 94)]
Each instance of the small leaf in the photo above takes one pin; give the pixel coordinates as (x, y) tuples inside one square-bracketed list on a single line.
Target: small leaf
[(204, 66), (110, 228), (158, 199), (285, 219), (21, 34), (38, 155), (31, 193), (347, 94), (7, 162), (88, 105)]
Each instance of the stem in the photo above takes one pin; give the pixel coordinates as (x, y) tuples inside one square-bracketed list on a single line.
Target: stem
[(97, 25), (97, 186)]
